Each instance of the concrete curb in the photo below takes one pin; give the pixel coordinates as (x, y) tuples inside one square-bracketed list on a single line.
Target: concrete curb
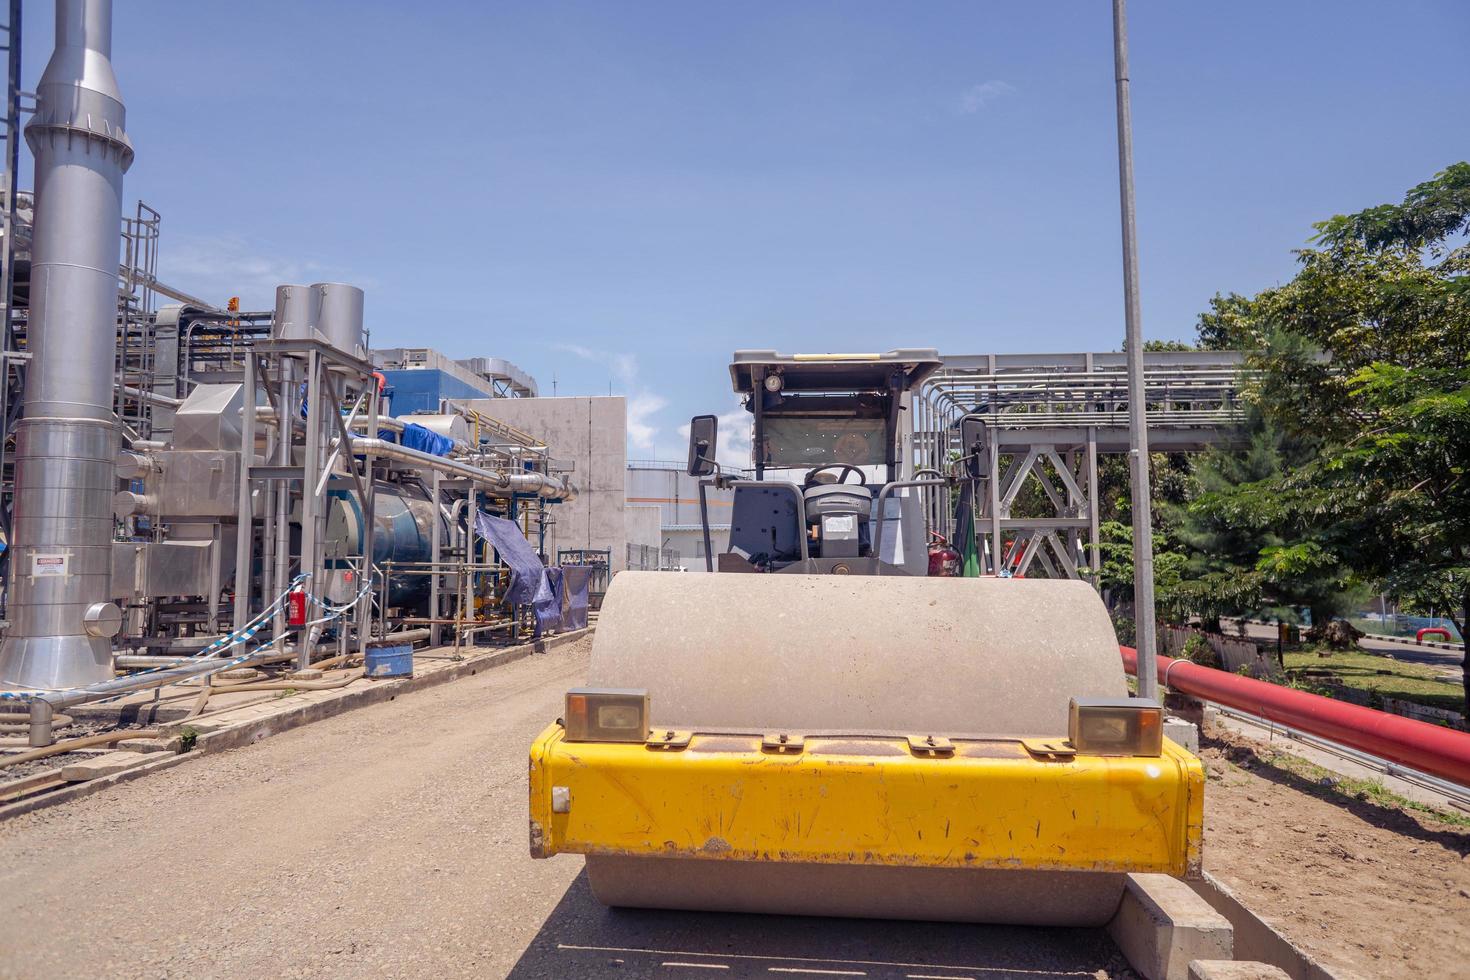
[(249, 731), (1162, 925), (1257, 939)]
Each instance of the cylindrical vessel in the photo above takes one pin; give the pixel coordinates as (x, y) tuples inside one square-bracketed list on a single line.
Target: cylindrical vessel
[(405, 523), (65, 446), (298, 308), (450, 426), (341, 316)]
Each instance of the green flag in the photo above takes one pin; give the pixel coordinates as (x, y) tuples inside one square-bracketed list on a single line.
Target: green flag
[(964, 520)]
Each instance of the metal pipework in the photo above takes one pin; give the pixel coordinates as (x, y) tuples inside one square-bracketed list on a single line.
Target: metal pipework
[(548, 487), (43, 706), (65, 446)]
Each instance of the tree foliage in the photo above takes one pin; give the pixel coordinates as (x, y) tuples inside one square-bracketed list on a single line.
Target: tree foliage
[(1356, 472)]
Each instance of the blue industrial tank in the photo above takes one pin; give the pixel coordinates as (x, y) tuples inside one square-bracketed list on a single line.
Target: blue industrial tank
[(405, 521)]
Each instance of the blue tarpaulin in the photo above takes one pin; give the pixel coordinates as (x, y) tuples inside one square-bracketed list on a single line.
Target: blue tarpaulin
[(549, 613), (528, 583), (557, 594), (427, 441), (567, 609), (575, 579)]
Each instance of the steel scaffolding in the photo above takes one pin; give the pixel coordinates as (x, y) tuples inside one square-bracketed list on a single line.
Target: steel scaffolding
[(1046, 418)]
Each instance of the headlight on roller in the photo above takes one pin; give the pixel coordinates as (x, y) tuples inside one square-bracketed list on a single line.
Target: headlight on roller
[(1116, 726), (606, 714)]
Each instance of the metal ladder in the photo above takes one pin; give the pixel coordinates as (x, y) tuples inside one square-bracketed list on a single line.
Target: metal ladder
[(12, 361)]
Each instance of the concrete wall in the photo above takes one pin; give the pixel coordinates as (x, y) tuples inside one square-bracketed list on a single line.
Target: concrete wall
[(689, 543), (643, 524), (675, 493), (591, 435)]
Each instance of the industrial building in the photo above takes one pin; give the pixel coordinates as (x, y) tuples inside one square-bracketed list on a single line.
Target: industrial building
[(665, 486), (191, 487), (422, 379)]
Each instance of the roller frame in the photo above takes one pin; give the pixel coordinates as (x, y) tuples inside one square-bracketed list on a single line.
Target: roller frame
[(862, 799)]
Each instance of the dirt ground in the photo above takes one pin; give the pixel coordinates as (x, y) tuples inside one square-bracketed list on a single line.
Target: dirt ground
[(391, 842), (1363, 885)]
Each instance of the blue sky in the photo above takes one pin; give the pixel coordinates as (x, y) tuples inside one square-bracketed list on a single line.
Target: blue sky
[(620, 194)]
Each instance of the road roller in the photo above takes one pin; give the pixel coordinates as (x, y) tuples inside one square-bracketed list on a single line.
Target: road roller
[(822, 728)]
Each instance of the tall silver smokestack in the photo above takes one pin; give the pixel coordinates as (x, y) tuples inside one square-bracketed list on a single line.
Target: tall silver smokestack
[(60, 570)]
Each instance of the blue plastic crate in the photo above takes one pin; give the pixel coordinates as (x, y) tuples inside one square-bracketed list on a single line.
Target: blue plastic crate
[(388, 660)]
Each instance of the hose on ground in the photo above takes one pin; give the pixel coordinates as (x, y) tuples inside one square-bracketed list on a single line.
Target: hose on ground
[(72, 744), (288, 685), (24, 721)]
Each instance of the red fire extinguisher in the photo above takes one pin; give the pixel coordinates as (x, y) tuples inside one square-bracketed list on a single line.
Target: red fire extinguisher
[(944, 561), (296, 608)]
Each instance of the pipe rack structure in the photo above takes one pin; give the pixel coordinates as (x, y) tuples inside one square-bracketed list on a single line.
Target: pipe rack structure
[(1046, 418)]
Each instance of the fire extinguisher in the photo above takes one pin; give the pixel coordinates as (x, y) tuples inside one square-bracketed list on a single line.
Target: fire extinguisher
[(944, 561), (296, 608)]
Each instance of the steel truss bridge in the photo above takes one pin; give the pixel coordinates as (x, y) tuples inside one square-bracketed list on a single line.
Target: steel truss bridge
[(1047, 418)]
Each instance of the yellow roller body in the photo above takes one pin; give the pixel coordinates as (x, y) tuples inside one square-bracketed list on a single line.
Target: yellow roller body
[(856, 813), (869, 800)]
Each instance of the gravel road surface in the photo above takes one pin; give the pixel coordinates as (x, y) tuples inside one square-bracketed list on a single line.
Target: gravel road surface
[(391, 841)]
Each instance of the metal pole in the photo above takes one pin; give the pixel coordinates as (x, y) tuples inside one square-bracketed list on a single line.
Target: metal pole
[(369, 524), (310, 541), (1143, 546), (467, 584), (435, 557), (245, 525), (284, 429), (1095, 551)]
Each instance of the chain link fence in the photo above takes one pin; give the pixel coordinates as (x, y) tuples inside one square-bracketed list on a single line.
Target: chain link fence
[(646, 558)]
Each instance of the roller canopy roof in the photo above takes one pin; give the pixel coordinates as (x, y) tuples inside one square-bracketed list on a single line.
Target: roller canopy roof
[(833, 372)]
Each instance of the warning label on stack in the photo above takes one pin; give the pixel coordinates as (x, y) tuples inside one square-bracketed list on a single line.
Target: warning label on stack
[(48, 564)]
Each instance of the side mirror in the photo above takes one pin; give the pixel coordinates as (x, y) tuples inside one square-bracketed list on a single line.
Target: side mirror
[(703, 431), (973, 443)]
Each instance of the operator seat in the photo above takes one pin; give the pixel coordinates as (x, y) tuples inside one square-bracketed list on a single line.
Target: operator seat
[(839, 512)]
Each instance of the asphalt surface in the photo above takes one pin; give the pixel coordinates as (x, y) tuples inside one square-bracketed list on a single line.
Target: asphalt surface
[(391, 841), (1447, 661)]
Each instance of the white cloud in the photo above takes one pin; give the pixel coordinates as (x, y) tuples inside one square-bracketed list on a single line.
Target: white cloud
[(641, 406), (977, 97), (216, 267), (643, 403), (732, 449)]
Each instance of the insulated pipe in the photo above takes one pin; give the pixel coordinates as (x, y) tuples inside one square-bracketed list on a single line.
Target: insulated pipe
[(1437, 751), (163, 401), (61, 584), (541, 484)]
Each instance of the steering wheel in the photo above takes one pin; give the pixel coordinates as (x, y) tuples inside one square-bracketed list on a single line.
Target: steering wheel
[(844, 468)]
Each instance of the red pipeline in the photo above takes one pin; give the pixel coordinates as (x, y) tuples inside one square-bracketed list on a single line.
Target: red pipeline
[(1439, 751)]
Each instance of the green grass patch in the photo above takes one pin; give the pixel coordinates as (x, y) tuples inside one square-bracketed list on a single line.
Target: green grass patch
[(1360, 789), (1377, 674)]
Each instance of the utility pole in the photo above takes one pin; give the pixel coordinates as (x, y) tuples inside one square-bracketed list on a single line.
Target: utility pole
[(1143, 544)]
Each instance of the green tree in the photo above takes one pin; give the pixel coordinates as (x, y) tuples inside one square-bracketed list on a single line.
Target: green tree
[(1365, 354)]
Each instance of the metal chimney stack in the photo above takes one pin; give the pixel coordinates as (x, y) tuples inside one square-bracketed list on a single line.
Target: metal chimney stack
[(62, 619)]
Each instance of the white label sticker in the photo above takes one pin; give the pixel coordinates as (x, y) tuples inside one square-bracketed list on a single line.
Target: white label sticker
[(839, 524), (48, 564)]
